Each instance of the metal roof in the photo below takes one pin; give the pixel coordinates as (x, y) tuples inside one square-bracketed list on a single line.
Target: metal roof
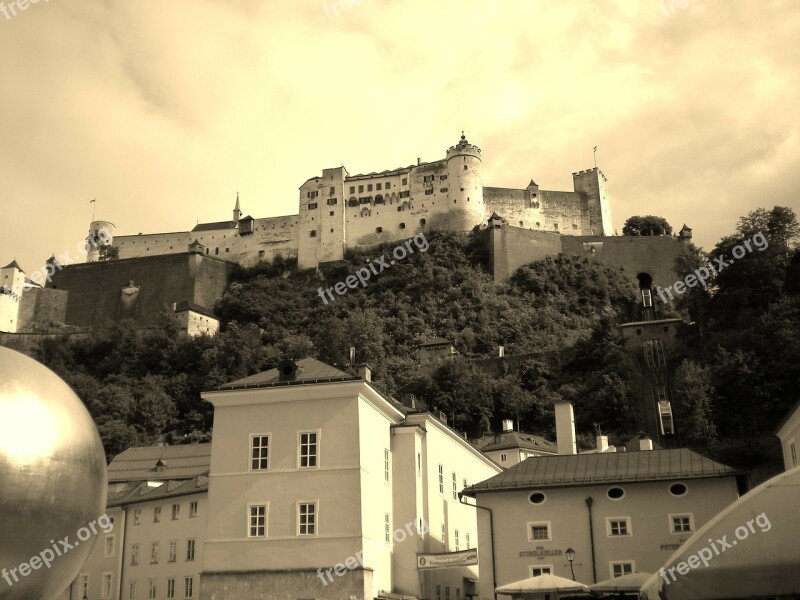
[(213, 226), (309, 370), (169, 489), (514, 439), (176, 462), (615, 467)]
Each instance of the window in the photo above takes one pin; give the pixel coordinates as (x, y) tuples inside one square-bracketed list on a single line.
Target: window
[(132, 590), (379, 230), (429, 192), (352, 189), (537, 498), (618, 569), (419, 464), (793, 453), (192, 509), (455, 487), (441, 479), (190, 549), (539, 531), (465, 167), (619, 526), (681, 523), (540, 570), (616, 493), (360, 188), (154, 553), (156, 514), (443, 190), (108, 548), (388, 185), (447, 592), (312, 206), (402, 225), (457, 540), (503, 457), (151, 589), (378, 187), (678, 489), (188, 587), (332, 191), (369, 187), (170, 588), (176, 511), (333, 201), (386, 465), (105, 588), (467, 542), (405, 181), (312, 233), (257, 520), (438, 592), (308, 449), (259, 455), (134, 554), (84, 584), (442, 177), (137, 513), (173, 551), (444, 536), (307, 518), (387, 530)]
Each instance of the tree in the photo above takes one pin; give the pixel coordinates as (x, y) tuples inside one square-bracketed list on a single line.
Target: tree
[(693, 394), (647, 225)]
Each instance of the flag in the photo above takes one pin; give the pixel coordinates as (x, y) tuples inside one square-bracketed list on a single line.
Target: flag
[(595, 149), (91, 201)]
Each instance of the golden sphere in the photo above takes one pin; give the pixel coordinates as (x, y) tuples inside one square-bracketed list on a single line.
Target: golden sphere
[(53, 480)]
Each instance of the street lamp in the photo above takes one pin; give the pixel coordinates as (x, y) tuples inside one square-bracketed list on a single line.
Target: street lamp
[(571, 558)]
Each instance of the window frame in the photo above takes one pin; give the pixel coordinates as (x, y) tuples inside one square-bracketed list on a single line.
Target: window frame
[(531, 524), (671, 523), (106, 576), (249, 513), (316, 444), (110, 537), (315, 504), (623, 563), (628, 527), (191, 549), (251, 449), (531, 568)]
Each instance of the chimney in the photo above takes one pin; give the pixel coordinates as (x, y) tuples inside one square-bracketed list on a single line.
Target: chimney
[(508, 424), (565, 428), (419, 161), (364, 371), (645, 444), (602, 443), (501, 351)]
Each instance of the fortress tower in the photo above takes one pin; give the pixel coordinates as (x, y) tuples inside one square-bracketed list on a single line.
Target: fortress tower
[(465, 183), (322, 226), (12, 283), (591, 183), (101, 233)]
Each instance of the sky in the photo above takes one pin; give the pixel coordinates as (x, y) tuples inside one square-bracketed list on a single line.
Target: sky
[(163, 111)]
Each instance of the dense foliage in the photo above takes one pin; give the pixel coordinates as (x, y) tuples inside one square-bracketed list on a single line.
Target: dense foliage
[(736, 365), (647, 225)]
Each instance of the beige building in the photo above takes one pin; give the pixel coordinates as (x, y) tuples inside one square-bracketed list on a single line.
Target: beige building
[(321, 487), (789, 434), (510, 447), (157, 500), (12, 283), (620, 512)]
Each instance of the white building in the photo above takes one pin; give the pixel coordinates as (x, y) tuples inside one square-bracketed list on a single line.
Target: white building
[(789, 434), (322, 487)]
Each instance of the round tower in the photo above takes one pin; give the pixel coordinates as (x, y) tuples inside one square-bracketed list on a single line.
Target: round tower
[(465, 183), (101, 233)]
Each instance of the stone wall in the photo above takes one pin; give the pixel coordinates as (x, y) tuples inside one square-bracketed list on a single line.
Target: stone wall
[(286, 585)]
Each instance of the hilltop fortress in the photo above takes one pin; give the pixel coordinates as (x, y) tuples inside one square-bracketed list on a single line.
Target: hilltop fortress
[(186, 272), (339, 211)]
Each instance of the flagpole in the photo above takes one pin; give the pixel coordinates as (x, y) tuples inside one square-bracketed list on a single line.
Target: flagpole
[(94, 206), (594, 153)]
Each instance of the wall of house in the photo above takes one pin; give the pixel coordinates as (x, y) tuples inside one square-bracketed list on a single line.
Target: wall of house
[(647, 504), (39, 307)]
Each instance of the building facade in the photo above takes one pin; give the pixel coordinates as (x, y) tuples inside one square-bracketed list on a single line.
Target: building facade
[(337, 211), (321, 487), (789, 435)]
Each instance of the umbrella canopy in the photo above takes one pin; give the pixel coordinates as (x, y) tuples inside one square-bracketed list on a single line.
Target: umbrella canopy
[(543, 584), (748, 550), (626, 583)]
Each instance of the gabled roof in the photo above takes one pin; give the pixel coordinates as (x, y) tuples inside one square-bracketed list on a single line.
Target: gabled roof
[(217, 225), (514, 439), (169, 489), (618, 467), (179, 462), (437, 341), (309, 370), (13, 265), (188, 305)]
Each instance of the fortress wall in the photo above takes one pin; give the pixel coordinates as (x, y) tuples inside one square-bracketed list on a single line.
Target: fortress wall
[(565, 209), (649, 254), (132, 246), (95, 289), (512, 247), (41, 306), (271, 236)]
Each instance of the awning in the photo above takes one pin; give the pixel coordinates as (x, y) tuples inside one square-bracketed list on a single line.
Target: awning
[(750, 549)]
